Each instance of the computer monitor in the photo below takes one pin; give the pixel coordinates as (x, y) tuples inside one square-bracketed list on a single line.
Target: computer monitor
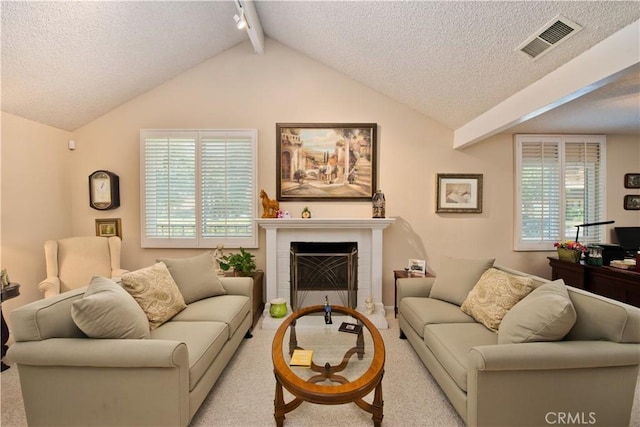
[(628, 237)]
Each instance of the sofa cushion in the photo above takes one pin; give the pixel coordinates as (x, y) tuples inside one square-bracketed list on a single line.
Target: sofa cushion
[(419, 311), (546, 314), (156, 292), (494, 294), (456, 277), (108, 311), (450, 344), (229, 309), (204, 341), (195, 276)]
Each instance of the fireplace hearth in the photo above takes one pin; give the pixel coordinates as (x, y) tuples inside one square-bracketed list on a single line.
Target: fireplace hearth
[(366, 232)]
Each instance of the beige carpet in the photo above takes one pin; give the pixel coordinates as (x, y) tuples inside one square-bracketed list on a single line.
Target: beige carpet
[(243, 396)]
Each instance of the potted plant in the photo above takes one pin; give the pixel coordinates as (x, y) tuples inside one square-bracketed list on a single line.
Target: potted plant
[(568, 250), (242, 264)]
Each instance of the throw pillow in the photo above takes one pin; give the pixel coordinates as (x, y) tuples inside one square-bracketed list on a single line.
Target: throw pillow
[(108, 311), (546, 314), (196, 276), (456, 277), (156, 292), (494, 294)]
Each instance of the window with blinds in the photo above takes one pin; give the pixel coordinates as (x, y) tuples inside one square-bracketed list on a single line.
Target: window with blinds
[(559, 184), (198, 188)]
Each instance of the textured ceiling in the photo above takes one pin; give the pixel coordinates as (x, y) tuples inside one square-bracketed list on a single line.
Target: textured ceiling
[(66, 63)]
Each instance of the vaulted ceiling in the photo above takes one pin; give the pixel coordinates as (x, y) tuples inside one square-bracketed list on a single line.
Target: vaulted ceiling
[(66, 63)]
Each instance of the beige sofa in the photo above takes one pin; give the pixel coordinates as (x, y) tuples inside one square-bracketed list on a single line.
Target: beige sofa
[(69, 379), (586, 377)]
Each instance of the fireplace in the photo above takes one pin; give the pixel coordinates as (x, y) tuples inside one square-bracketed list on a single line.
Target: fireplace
[(366, 232), (322, 270)]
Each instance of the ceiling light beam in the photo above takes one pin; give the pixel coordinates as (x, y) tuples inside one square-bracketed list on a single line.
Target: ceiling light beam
[(583, 74), (247, 10)]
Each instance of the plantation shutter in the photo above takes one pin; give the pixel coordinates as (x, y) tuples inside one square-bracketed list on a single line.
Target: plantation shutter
[(584, 188), (170, 190), (559, 184), (540, 192), (227, 181), (198, 188)]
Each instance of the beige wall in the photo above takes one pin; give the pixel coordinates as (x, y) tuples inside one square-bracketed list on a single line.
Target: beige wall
[(35, 200), (239, 89)]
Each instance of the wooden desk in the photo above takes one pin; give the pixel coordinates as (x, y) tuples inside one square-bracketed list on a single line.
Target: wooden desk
[(401, 274), (611, 282)]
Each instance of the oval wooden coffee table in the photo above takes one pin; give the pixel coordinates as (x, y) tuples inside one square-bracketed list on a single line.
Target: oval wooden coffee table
[(345, 367)]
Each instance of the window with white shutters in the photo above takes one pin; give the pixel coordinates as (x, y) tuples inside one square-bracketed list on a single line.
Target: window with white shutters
[(559, 184), (198, 188)]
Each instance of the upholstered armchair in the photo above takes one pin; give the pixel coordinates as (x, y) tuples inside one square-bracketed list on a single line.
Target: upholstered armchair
[(72, 262)]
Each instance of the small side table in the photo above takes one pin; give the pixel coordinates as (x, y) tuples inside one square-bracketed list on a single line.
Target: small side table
[(401, 274), (8, 292)]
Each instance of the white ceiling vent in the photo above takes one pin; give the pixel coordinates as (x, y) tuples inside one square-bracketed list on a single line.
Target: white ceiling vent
[(549, 36)]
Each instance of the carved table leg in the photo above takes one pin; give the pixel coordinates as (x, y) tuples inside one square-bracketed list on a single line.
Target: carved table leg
[(377, 405), (278, 404)]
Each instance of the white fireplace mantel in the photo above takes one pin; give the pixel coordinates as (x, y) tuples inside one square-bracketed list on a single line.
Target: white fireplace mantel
[(367, 232)]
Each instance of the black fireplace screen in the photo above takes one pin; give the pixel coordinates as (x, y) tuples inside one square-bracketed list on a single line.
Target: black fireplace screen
[(320, 269)]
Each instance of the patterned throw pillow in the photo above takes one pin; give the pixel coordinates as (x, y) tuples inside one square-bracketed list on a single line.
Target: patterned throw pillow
[(494, 294), (156, 292)]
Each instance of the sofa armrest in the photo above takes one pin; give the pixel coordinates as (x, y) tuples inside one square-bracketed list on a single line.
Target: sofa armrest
[(536, 383), (553, 355), (101, 353), (238, 285), (50, 286), (414, 287)]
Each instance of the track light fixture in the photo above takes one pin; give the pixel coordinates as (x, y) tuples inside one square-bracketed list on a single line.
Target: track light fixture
[(241, 21)]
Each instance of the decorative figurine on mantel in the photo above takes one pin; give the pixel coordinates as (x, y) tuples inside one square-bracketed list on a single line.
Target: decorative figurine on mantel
[(369, 307), (269, 206), (306, 213)]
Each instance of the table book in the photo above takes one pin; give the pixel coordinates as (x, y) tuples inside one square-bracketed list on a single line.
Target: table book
[(352, 328), (301, 357)]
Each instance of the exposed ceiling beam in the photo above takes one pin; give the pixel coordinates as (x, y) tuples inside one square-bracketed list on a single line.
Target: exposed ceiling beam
[(254, 28), (583, 74)]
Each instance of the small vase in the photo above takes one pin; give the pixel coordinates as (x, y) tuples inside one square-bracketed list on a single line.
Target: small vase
[(378, 204), (570, 255), (278, 308)]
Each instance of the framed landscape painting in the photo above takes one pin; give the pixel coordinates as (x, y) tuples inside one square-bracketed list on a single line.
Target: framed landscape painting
[(109, 227), (326, 161), (459, 193)]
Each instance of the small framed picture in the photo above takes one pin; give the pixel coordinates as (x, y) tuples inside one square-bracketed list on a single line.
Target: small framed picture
[(459, 193), (417, 267), (632, 180), (632, 202), (109, 227)]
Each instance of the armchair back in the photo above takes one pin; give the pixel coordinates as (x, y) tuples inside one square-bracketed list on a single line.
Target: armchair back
[(72, 262)]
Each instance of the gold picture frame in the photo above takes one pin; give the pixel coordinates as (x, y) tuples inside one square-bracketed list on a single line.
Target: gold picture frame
[(108, 227), (326, 161), (459, 193)]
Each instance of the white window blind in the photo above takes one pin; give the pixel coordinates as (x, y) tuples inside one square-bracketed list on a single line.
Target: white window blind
[(198, 188), (559, 184)]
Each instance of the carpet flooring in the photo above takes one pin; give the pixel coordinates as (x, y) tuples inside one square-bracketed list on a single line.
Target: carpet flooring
[(243, 396)]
